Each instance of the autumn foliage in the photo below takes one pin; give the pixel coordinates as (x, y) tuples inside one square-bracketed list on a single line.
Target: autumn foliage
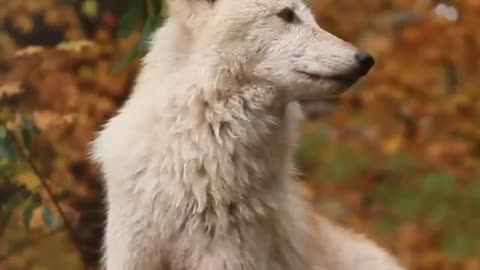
[(397, 157)]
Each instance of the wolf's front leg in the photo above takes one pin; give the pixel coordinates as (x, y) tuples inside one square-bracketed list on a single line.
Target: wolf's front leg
[(130, 244)]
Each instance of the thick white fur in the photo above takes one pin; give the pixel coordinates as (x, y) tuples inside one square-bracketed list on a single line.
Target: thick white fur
[(197, 162)]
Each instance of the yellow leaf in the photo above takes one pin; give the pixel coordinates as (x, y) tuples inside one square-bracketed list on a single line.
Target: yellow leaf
[(10, 89), (392, 145), (90, 8), (472, 264), (36, 222), (75, 46), (48, 119), (14, 122), (29, 50), (24, 23), (28, 179)]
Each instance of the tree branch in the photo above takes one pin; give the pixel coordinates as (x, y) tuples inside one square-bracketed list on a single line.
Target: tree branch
[(68, 225)]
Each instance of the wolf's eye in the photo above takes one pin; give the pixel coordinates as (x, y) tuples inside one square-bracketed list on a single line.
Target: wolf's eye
[(288, 15)]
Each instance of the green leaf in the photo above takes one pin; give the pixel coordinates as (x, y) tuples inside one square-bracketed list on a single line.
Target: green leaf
[(388, 223), (7, 150), (157, 7), (305, 154), (150, 25), (438, 183), (29, 131), (438, 214), (141, 48), (126, 60), (9, 206), (130, 18), (407, 205), (402, 162), (3, 132), (475, 195), (384, 192), (33, 202), (48, 217), (461, 244), (337, 170), (366, 161), (342, 167)]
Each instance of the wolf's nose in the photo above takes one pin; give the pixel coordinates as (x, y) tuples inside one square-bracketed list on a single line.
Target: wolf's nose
[(365, 61)]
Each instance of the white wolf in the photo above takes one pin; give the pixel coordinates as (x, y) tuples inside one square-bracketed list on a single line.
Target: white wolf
[(198, 161)]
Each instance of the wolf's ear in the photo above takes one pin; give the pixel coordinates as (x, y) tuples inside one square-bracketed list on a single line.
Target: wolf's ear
[(191, 12)]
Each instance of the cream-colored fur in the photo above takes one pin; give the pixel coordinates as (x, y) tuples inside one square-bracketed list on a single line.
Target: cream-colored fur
[(197, 162)]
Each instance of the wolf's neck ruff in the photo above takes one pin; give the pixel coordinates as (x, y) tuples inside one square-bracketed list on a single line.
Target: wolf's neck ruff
[(227, 156)]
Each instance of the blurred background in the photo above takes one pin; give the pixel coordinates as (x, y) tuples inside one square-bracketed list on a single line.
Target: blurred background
[(397, 157)]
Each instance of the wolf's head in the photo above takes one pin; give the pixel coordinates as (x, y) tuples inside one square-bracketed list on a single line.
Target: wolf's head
[(271, 41)]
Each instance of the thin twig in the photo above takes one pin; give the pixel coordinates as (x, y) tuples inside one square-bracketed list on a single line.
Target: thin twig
[(27, 244), (68, 226)]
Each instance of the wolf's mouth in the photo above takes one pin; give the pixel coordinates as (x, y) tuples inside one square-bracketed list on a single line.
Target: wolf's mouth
[(338, 78)]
